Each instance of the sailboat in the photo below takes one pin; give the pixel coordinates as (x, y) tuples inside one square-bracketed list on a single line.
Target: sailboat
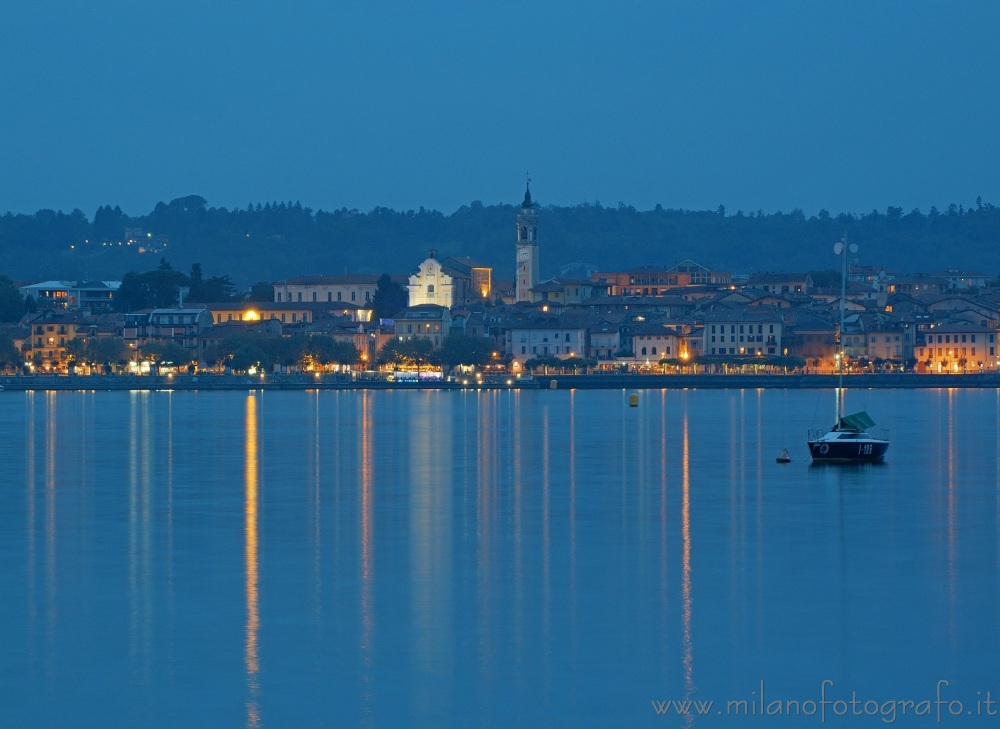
[(848, 441)]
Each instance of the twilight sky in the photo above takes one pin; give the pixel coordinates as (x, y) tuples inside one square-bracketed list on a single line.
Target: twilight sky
[(849, 105)]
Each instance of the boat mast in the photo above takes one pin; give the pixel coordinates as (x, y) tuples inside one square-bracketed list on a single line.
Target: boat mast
[(842, 247)]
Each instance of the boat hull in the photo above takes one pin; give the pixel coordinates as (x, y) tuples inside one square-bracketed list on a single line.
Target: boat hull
[(860, 450)]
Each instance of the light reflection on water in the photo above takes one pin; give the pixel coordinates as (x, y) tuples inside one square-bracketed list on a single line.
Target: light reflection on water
[(487, 558)]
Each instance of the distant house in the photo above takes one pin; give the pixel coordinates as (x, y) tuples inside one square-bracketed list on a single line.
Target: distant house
[(162, 326), (781, 283), (742, 332), (357, 288), (813, 339), (52, 331), (429, 321), (652, 342), (73, 295), (701, 275), (545, 337), (566, 290), (957, 347)]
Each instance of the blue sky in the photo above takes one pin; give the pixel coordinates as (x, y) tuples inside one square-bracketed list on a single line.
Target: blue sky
[(847, 106)]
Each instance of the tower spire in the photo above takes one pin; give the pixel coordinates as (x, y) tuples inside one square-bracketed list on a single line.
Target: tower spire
[(527, 246)]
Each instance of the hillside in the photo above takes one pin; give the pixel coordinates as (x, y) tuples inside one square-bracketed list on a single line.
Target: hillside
[(278, 240)]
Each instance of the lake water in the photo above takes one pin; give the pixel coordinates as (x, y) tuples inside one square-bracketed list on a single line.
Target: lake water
[(493, 559)]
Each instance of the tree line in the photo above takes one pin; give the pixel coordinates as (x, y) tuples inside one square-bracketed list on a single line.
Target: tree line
[(277, 240)]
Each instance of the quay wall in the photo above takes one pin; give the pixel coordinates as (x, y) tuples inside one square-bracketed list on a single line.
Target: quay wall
[(557, 382)]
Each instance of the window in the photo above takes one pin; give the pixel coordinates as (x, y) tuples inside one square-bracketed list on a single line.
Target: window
[(523, 350), (300, 296), (339, 294), (352, 296), (430, 288), (643, 351), (314, 295), (329, 296)]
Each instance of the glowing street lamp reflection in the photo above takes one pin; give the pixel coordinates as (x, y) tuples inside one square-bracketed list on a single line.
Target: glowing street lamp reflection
[(251, 658)]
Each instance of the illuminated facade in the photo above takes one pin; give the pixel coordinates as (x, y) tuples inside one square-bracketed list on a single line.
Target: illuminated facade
[(51, 334), (957, 347), (548, 338), (82, 295), (431, 284), (450, 282), (743, 332), (356, 289), (429, 321), (284, 312), (162, 326)]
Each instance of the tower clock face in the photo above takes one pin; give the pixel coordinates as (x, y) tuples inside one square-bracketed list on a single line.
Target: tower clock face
[(522, 255)]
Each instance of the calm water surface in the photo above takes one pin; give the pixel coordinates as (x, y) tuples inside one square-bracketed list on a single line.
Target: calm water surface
[(493, 559)]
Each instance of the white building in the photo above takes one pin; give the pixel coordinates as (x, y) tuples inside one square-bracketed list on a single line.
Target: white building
[(355, 288), (548, 338), (431, 284)]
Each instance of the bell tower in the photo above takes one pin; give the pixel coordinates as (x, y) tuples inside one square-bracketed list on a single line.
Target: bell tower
[(527, 248)]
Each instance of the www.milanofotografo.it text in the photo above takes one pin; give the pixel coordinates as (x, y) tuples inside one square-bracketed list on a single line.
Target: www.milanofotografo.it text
[(829, 704)]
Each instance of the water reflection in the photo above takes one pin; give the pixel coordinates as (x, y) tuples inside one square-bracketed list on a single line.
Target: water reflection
[(686, 597), (431, 547), (51, 427), (140, 568), (453, 564), (29, 487), (367, 556), (952, 496), (250, 474)]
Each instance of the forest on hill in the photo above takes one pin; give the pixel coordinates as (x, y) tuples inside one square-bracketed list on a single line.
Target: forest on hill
[(276, 240)]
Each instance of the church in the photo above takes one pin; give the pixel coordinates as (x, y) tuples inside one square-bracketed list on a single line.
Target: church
[(461, 281), (450, 282)]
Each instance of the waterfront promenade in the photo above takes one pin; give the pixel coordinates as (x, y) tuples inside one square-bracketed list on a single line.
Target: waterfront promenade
[(557, 382)]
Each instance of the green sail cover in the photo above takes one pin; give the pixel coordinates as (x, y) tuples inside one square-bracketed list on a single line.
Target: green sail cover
[(858, 421)]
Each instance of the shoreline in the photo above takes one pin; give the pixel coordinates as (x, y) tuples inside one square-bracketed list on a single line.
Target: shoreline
[(23, 383)]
